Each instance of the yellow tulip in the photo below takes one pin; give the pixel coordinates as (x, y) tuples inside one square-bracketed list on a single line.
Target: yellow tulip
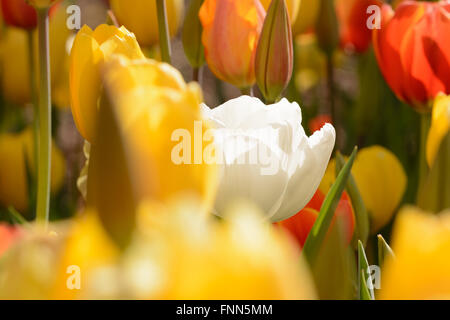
[(190, 257), (307, 15), (16, 150), (131, 158), (89, 52), (141, 19), (381, 180), (421, 267), (440, 126), (293, 7), (15, 64)]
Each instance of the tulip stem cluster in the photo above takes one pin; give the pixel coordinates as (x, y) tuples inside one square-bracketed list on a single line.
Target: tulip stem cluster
[(425, 122), (44, 163), (163, 28)]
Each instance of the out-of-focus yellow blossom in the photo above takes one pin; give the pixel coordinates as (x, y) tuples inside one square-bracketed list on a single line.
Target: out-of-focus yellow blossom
[(15, 64), (440, 126), (90, 50), (381, 180), (185, 256), (141, 19), (420, 269), (307, 16), (310, 62), (27, 270), (293, 7), (16, 150), (148, 113), (87, 247)]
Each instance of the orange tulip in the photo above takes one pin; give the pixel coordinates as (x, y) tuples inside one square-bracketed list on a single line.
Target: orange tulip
[(231, 30), (353, 16), (413, 50), (301, 224)]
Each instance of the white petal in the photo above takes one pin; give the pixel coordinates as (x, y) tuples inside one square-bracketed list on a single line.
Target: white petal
[(309, 164)]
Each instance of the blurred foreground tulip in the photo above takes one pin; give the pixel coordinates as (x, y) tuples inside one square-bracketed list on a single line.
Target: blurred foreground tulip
[(196, 258), (149, 143), (353, 18), (413, 50), (19, 13), (89, 52), (262, 145), (275, 53), (381, 180), (300, 225), (307, 15), (42, 3), (16, 152), (178, 255), (231, 30), (140, 18), (293, 6), (420, 269)]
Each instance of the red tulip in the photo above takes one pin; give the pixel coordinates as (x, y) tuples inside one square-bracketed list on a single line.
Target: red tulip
[(353, 16), (317, 123), (19, 13), (301, 224), (413, 50)]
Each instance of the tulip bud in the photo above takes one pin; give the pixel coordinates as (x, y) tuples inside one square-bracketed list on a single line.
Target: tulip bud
[(274, 55), (327, 27), (192, 35)]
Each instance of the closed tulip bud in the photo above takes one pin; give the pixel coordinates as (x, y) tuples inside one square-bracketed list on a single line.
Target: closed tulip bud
[(327, 27), (231, 30), (274, 55), (192, 35), (293, 7), (19, 14), (139, 16), (413, 52)]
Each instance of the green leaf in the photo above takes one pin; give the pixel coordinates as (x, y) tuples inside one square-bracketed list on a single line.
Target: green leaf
[(384, 250), (361, 214), (320, 228), (16, 216), (364, 293), (192, 35), (363, 266)]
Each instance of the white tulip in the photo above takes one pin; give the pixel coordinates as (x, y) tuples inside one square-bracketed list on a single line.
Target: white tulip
[(265, 156)]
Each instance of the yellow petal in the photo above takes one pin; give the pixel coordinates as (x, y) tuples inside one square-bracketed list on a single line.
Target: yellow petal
[(440, 125), (420, 269)]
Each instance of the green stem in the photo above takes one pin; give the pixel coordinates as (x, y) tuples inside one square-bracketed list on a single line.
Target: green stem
[(44, 163), (247, 91), (332, 94), (197, 74), (163, 28), (425, 122), (34, 97)]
